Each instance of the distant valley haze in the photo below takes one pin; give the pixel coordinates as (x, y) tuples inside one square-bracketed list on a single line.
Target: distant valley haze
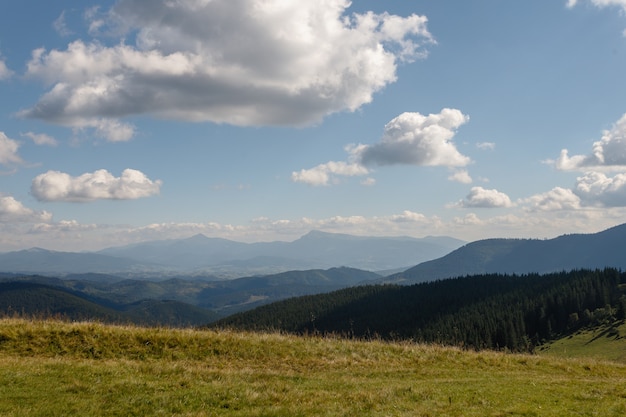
[(199, 255)]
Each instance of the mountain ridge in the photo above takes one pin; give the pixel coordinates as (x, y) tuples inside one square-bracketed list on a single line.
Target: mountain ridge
[(199, 254), (518, 256)]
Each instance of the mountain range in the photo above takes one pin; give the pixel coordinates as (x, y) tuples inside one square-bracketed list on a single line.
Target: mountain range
[(156, 297), (201, 255)]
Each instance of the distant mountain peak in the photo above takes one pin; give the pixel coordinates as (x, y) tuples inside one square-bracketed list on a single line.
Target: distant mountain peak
[(37, 250), (198, 238)]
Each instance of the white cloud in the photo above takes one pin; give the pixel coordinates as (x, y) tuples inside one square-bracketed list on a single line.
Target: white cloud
[(279, 63), (597, 189), (369, 182), (486, 145), (409, 139), (41, 138), (415, 139), (60, 25), (323, 173), (608, 153), (109, 129), (13, 211), (461, 176), (600, 3), (5, 72), (8, 150), (408, 216), (63, 226), (556, 199), (480, 197), (59, 186)]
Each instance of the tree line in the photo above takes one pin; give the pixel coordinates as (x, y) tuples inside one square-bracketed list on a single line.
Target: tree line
[(490, 311)]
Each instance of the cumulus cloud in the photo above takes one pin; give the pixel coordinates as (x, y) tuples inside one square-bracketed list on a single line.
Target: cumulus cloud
[(415, 139), (41, 139), (409, 139), (608, 153), (598, 189), (12, 210), (8, 150), (461, 176), (99, 185), (323, 173), (279, 63), (480, 197), (556, 199)]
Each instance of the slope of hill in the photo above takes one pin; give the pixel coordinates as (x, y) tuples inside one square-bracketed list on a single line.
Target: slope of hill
[(155, 371), (31, 299), (38, 300), (603, 341), (482, 311), (567, 252)]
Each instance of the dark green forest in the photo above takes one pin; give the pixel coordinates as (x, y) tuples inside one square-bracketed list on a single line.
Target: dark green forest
[(491, 311)]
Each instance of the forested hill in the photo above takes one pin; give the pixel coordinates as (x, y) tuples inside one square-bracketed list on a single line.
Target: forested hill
[(521, 256), (493, 311), (32, 299)]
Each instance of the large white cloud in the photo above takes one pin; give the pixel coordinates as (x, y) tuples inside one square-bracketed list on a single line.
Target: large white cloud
[(13, 211), (480, 197), (598, 189), (59, 186), (8, 150), (554, 200), (409, 139), (608, 153), (415, 139), (243, 62)]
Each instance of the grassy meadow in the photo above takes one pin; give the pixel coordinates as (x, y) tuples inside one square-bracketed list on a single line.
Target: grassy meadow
[(605, 342), (51, 368)]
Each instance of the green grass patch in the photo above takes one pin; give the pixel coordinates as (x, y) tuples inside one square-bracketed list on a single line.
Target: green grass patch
[(57, 369), (605, 342)]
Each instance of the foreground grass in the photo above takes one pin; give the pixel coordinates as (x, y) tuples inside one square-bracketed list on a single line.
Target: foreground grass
[(59, 369)]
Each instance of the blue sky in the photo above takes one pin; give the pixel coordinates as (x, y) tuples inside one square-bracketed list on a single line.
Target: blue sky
[(259, 120)]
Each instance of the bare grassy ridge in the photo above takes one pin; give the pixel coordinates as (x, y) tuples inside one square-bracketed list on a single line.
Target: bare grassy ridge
[(50, 368)]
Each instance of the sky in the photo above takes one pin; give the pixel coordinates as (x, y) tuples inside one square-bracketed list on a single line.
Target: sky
[(260, 120)]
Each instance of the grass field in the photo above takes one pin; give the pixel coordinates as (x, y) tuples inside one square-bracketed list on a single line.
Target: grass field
[(51, 368), (606, 342)]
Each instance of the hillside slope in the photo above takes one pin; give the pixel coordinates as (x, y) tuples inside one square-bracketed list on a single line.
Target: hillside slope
[(521, 256), (30, 299), (482, 311), (153, 372)]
